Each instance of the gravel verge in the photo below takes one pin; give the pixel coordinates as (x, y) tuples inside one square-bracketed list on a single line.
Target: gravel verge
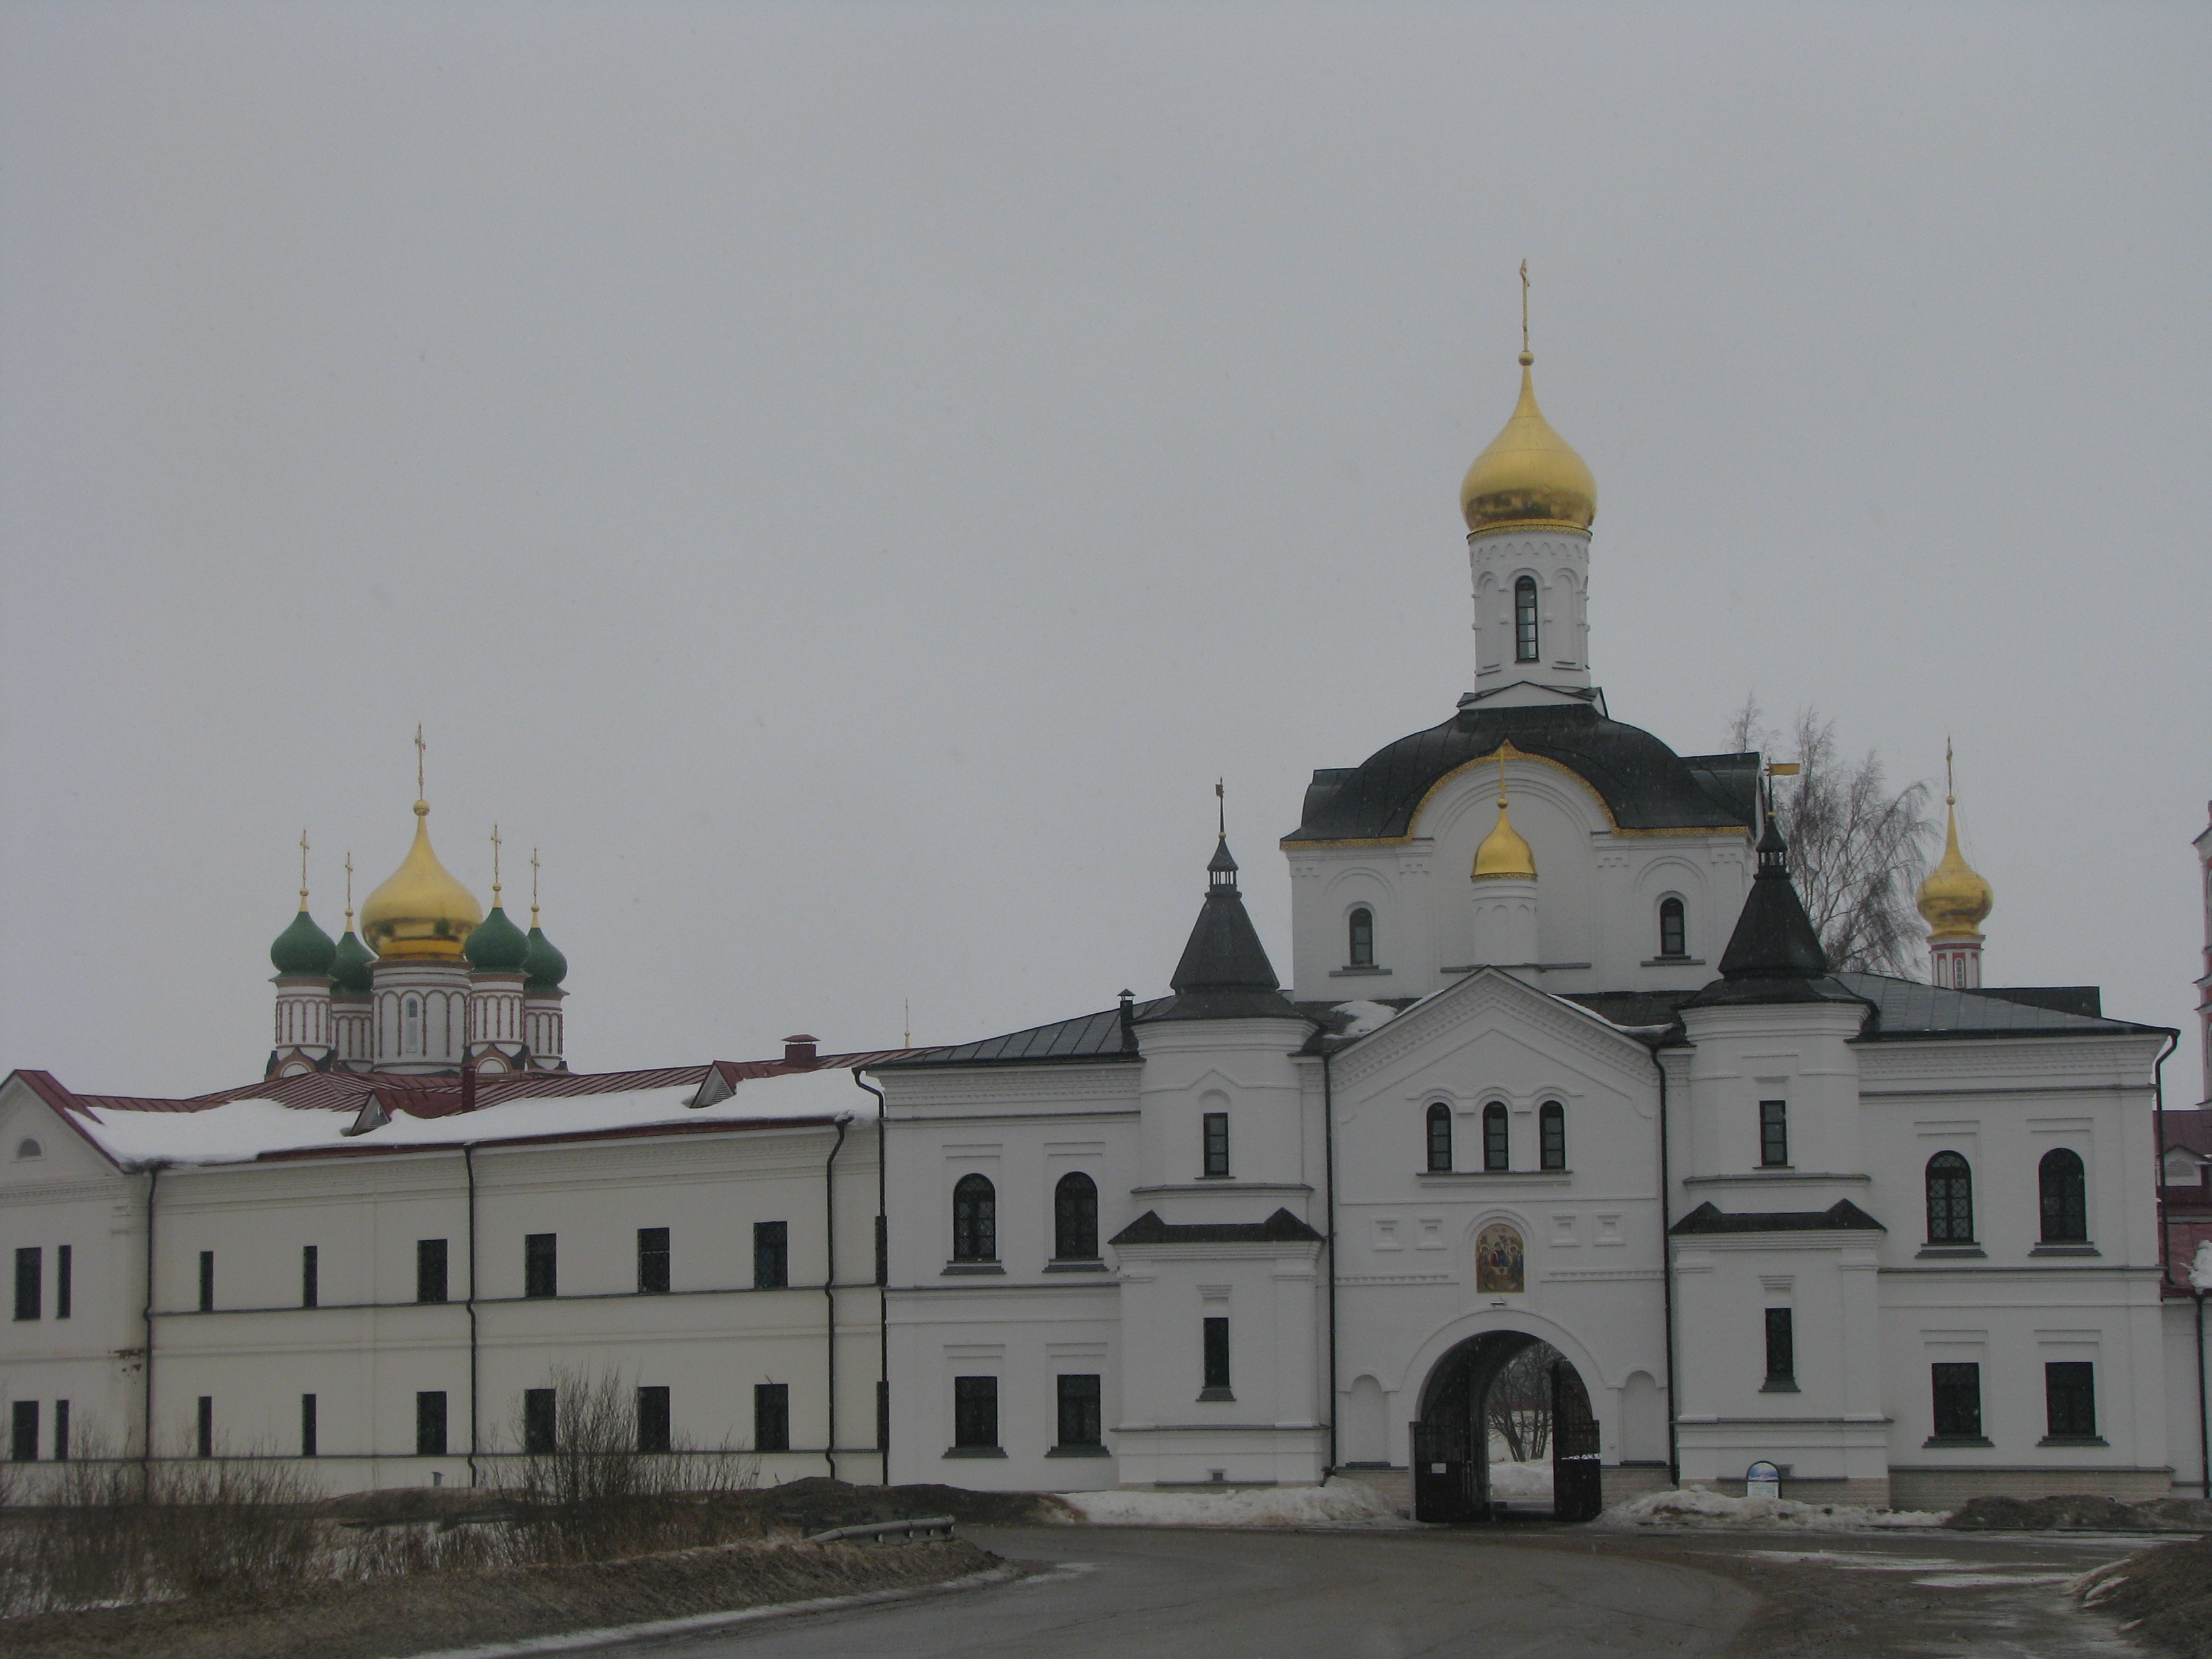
[(2161, 1596)]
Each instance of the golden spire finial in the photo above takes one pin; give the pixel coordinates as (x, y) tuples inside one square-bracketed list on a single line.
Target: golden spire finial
[(348, 889), (1955, 898), (303, 869), (495, 867), (1501, 775), (1950, 783), (1503, 851), (1526, 355), (533, 887), (422, 795)]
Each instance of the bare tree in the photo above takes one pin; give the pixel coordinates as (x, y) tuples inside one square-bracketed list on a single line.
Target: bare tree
[(1856, 850), (1520, 1403)]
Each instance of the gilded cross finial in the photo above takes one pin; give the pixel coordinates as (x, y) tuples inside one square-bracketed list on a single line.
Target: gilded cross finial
[(420, 794), (909, 1044), (533, 887), (1221, 808), (1527, 356), (348, 889), (1950, 785), (303, 869), (1501, 775), (495, 867)]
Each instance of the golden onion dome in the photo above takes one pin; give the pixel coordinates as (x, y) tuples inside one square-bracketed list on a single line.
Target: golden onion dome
[(1954, 899), (1530, 475), (421, 910), (1504, 852)]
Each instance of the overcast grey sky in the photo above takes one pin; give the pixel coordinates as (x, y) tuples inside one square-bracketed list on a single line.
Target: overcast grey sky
[(844, 480)]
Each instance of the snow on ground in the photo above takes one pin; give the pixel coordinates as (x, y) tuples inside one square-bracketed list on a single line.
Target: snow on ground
[(1695, 1508), (1337, 1504), (1530, 1479)]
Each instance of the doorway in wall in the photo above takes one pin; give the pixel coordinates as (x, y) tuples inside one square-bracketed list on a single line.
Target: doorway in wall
[(1504, 1398)]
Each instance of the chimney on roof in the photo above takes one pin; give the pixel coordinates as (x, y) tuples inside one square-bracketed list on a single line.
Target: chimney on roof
[(799, 1051)]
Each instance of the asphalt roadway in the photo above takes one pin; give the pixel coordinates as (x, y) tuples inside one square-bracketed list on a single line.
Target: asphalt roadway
[(1486, 1593)]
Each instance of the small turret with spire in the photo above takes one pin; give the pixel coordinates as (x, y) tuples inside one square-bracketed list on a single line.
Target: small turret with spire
[(303, 955), (1224, 973), (1954, 900)]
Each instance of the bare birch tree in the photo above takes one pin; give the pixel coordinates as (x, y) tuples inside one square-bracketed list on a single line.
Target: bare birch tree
[(1856, 850)]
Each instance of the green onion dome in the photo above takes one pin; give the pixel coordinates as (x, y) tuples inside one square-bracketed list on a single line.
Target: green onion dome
[(545, 966), (350, 970), (496, 945), (303, 948)]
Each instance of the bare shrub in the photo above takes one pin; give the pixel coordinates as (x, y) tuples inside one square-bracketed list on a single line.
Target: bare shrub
[(1520, 1403)]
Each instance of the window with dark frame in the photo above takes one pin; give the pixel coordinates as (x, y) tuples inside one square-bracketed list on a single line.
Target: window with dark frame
[(1497, 1148), (1217, 1358), (1075, 1217), (541, 1421), (2065, 1197), (1674, 935), (308, 1447), (23, 1432), (1217, 1145), (1773, 1133), (975, 1413), (1781, 1347), (1957, 1389), (1082, 1422), (1552, 1136), (311, 1276), (771, 1256), (430, 1270), (1950, 1199), (2070, 1399), (975, 1219), (541, 1274), (430, 1422), (653, 1427), (1362, 928), (207, 1281), (65, 1275), (61, 1430), (771, 1417), (1524, 619), (1440, 1139), (653, 1261), (204, 1427), (30, 1279)]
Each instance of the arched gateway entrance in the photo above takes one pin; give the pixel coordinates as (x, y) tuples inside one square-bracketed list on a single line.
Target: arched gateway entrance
[(1451, 1441)]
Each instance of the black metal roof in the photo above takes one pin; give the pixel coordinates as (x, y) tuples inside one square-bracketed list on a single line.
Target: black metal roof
[(1842, 1216), (1644, 784), (1224, 973), (1774, 955), (1087, 1037), (1280, 1228)]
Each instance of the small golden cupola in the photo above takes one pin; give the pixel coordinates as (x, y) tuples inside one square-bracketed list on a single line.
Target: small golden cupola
[(1530, 475), (1954, 900), (421, 910), (1504, 854)]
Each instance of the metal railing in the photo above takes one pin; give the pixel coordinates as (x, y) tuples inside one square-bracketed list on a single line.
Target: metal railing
[(887, 1532)]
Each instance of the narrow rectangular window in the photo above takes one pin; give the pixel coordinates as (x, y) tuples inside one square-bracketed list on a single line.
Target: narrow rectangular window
[(30, 1273), (1217, 1145), (207, 1281), (1552, 1136), (311, 1276), (430, 1422), (1774, 1133), (1781, 1347), (1081, 1422), (652, 1419), (1958, 1388), (771, 1417), (976, 1412), (204, 1427), (23, 1437), (2069, 1396), (61, 1430), (540, 1422), (771, 1256), (64, 1278), (1217, 1360), (1497, 1149), (653, 1261), (310, 1446), (540, 1276), (430, 1270)]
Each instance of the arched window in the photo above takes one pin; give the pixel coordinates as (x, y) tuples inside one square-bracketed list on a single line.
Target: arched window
[(1673, 936), (1363, 938), (1440, 1139), (1074, 1218), (28, 1148), (1950, 1199), (1494, 1153), (1524, 619), (1552, 1128), (410, 1029), (975, 1219), (2065, 1197)]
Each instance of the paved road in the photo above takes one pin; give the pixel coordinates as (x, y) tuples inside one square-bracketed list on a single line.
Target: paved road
[(1484, 1593)]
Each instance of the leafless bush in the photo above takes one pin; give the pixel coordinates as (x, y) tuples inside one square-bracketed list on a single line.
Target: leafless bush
[(1520, 1403)]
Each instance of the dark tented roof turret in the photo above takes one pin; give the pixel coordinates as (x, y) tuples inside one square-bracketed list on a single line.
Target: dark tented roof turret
[(1775, 954), (1224, 973)]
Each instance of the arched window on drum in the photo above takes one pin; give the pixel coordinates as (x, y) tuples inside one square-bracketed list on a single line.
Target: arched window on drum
[(1524, 619), (975, 1219), (1950, 1199), (1440, 1139), (1361, 928), (1495, 1153)]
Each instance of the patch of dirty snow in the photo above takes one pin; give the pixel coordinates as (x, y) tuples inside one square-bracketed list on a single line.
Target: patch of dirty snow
[(1530, 1479), (1365, 1016), (1692, 1507), (1338, 1503)]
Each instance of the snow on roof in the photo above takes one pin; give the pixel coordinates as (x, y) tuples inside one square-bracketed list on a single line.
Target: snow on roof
[(242, 1130)]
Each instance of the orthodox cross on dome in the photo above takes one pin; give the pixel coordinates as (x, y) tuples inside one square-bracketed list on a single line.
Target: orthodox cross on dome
[(1527, 356), (1950, 783), (420, 794), (1220, 809), (303, 869), (495, 867), (348, 869), (533, 887)]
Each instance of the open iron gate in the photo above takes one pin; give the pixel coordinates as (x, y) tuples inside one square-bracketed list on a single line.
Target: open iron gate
[(1577, 1492)]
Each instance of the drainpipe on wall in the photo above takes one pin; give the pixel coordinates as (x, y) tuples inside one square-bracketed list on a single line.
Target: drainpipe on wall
[(2158, 1109), (2204, 1404), (1328, 1163), (469, 1163), (829, 1283), (145, 1416), (883, 1275), (1667, 1270)]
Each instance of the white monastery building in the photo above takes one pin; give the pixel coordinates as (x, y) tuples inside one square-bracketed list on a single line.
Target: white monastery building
[(1562, 1062)]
